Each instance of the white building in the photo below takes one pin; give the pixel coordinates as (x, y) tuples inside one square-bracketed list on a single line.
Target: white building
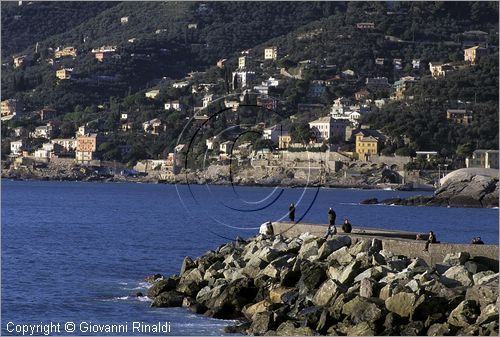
[(207, 100), (226, 146), (272, 133), (42, 154), (182, 84), (242, 78), (69, 144), (44, 131), (16, 147), (327, 127), (210, 142), (152, 93), (124, 116), (174, 105)]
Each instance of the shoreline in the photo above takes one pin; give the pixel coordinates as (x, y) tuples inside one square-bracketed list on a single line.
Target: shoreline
[(346, 285)]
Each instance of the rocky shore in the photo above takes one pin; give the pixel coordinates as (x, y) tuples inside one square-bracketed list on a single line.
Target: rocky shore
[(461, 188), (341, 286)]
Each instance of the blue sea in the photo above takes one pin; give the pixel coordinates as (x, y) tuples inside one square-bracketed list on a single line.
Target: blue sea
[(78, 252)]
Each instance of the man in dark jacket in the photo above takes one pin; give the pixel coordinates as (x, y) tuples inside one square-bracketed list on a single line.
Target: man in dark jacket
[(346, 226), (291, 212), (331, 217)]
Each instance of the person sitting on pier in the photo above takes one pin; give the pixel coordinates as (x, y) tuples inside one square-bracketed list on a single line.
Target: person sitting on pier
[(291, 212), (431, 239), (346, 226), (477, 241)]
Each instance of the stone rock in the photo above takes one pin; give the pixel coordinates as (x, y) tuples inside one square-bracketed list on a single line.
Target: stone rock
[(274, 268), (309, 250), (168, 299), (483, 294), (474, 268), (276, 295), (153, 278), (239, 328), (456, 259), (253, 267), (250, 310), (464, 314), (371, 201), (414, 328), (492, 278), (310, 315), (326, 292), (187, 264), (488, 314), (361, 329), (439, 329), (287, 328), (477, 277), (378, 259), (261, 323), (359, 247), (341, 256), (426, 306), (375, 273), (457, 275), (367, 287), (362, 310), (397, 264), (401, 303), (267, 254), (233, 298), (350, 272), (332, 245), (163, 285), (312, 275), (413, 285), (376, 246)]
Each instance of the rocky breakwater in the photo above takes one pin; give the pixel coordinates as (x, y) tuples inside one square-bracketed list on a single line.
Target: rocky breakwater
[(342, 286), (461, 188)]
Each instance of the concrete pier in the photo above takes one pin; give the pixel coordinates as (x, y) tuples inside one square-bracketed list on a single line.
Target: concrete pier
[(399, 242)]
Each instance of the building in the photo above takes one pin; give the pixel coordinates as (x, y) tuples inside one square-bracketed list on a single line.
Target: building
[(47, 114), (104, 52), (207, 99), (368, 143), (124, 20), (397, 63), (86, 148), (226, 147), (44, 131), (20, 132), (19, 61), (267, 102), (365, 25), (328, 127), (11, 108), (233, 104), (152, 93), (64, 74), (42, 155), (473, 54), (415, 63), (439, 69), (67, 51), (211, 143), (68, 144), (221, 63), (271, 53), (179, 85), (459, 116), (483, 158), (272, 133), (361, 95), (154, 126), (379, 61), (17, 146), (243, 62), (428, 155), (242, 79), (192, 26), (401, 86), (377, 83), (174, 105), (284, 140)]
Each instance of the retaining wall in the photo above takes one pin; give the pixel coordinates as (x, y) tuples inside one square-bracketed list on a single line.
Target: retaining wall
[(400, 243)]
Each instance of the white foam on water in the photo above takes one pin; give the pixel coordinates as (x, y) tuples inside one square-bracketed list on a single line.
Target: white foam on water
[(144, 299)]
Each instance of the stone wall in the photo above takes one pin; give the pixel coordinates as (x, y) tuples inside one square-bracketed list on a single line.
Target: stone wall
[(401, 243)]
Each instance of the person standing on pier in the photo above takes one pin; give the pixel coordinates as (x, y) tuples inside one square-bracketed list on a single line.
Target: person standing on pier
[(332, 230), (291, 212)]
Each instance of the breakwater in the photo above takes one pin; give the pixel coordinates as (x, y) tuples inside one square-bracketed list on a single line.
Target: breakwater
[(347, 285)]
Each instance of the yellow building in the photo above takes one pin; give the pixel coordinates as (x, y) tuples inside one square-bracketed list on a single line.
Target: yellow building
[(68, 51), (472, 54), (64, 74), (366, 145), (271, 53), (284, 141)]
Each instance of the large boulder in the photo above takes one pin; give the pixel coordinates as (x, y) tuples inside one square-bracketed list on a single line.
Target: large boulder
[(326, 292), (488, 314), (340, 256), (350, 272), (309, 250), (262, 322), (312, 275), (457, 275), (250, 310), (464, 314), (288, 328), (162, 285), (361, 309), (278, 295), (187, 264), (330, 246), (440, 329), (233, 298), (168, 299), (401, 303), (456, 259)]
